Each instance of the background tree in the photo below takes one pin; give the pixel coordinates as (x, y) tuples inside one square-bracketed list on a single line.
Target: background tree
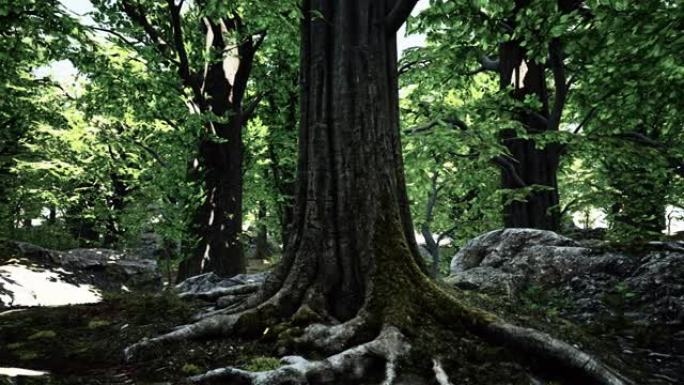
[(33, 34), (628, 113)]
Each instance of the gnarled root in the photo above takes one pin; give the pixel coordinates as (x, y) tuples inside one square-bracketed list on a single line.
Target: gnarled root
[(218, 292), (334, 338), (351, 364), (545, 347), (220, 325)]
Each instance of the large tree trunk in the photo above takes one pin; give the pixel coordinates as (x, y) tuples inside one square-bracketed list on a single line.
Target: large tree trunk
[(352, 270), (351, 205), (535, 167)]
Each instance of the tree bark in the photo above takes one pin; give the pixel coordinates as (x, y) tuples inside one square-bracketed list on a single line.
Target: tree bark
[(217, 224), (350, 196), (261, 246), (537, 167)]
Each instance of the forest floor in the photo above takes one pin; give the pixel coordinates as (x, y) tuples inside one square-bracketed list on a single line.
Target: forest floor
[(83, 344), (647, 354)]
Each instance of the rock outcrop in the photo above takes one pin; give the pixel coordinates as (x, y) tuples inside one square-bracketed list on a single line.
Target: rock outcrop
[(631, 298), (29, 274), (208, 282), (647, 284)]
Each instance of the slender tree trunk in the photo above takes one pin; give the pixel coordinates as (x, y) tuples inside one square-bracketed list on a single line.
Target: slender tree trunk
[(117, 203), (639, 196), (52, 216), (283, 175), (537, 167), (217, 224), (261, 246)]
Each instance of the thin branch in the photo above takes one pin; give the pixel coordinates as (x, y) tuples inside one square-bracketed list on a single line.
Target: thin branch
[(251, 107), (452, 122), (261, 36), (586, 120), (432, 198), (508, 167), (179, 44), (568, 206), (405, 67), (446, 233), (138, 16)]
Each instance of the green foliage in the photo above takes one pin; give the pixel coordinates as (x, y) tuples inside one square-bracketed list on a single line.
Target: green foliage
[(103, 157), (620, 127)]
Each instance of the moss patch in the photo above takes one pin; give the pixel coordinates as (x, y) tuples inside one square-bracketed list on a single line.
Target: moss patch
[(260, 363)]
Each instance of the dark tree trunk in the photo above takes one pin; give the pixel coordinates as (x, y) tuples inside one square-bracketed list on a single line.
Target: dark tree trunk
[(639, 195), (351, 207), (283, 175), (217, 224), (117, 203), (261, 246), (52, 216), (535, 167)]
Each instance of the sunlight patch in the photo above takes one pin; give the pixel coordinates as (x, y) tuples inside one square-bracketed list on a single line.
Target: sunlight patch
[(14, 372), (39, 287)]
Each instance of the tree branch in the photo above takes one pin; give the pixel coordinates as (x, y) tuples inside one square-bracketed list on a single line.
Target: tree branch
[(562, 87), (251, 107), (179, 44), (452, 122), (405, 67), (398, 15), (585, 121), (247, 48), (508, 167), (136, 14)]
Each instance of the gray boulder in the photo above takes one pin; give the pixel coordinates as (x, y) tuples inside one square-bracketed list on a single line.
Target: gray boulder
[(210, 282), (643, 286), (520, 256)]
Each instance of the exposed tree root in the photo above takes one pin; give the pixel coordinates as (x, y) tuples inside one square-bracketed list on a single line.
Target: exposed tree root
[(440, 375), (334, 338), (352, 364), (295, 313), (215, 293), (356, 362), (542, 345), (220, 325)]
